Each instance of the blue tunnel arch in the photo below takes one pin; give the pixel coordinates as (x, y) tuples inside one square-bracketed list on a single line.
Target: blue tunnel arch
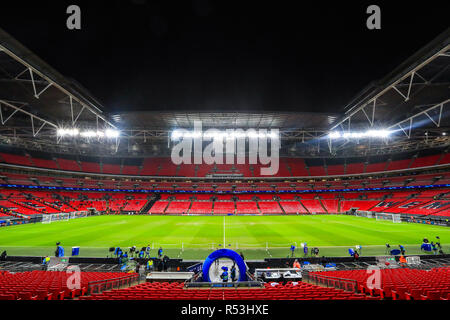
[(224, 253)]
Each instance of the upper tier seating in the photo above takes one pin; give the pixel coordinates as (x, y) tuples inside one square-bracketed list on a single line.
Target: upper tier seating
[(16, 159), (69, 165), (45, 163), (354, 168), (93, 167), (288, 167), (425, 161), (111, 168)]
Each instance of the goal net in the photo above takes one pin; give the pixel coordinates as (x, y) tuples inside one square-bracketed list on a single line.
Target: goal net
[(78, 214), (49, 218), (388, 216), (365, 214)]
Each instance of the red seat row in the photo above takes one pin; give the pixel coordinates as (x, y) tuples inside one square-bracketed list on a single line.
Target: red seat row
[(270, 291), (49, 285), (399, 284)]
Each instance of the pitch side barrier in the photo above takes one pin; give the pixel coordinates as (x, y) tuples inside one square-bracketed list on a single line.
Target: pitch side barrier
[(20, 186)]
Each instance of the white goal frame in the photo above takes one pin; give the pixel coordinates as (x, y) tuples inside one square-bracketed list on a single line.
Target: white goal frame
[(394, 217), (63, 216), (365, 214)]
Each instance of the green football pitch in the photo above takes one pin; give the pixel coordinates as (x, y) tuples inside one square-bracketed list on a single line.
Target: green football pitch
[(194, 237)]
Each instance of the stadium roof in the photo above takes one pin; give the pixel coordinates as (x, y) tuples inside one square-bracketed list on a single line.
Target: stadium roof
[(412, 100), (170, 120)]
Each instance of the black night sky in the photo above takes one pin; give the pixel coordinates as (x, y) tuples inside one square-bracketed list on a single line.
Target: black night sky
[(224, 55)]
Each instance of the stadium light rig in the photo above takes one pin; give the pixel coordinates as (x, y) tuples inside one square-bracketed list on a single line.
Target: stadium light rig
[(360, 135), (74, 132)]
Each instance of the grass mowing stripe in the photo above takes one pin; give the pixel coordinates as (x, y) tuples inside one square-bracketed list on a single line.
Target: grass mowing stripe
[(249, 233)]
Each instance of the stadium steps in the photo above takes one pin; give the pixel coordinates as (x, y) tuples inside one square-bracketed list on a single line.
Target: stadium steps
[(25, 206), (289, 169), (146, 208), (78, 164), (323, 206), (309, 174), (45, 203), (304, 207), (257, 205), (196, 170), (190, 206), (440, 158), (57, 164), (31, 160), (388, 163), (157, 170), (411, 162), (282, 209)]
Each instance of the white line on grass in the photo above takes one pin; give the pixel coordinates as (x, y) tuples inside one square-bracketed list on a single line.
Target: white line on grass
[(224, 232)]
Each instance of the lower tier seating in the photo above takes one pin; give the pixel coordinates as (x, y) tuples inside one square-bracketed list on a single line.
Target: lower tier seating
[(48, 285), (271, 291), (399, 284)]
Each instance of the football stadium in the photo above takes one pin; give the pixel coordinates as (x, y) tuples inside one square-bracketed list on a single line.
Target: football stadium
[(218, 204)]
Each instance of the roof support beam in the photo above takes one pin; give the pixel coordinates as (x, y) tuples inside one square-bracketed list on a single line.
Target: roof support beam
[(32, 116), (86, 105), (410, 74)]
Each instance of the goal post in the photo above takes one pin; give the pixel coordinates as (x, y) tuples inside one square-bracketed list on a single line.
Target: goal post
[(365, 214), (78, 214), (394, 217), (63, 216)]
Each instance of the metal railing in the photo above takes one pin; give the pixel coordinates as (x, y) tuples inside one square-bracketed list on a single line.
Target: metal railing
[(115, 283), (331, 282), (231, 285)]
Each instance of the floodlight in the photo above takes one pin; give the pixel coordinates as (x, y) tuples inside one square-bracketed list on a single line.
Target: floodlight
[(67, 132), (334, 135), (176, 134), (111, 133), (359, 135), (88, 134)]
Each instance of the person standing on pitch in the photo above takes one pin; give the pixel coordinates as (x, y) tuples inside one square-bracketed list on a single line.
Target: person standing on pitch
[(292, 251), (147, 251), (160, 252), (224, 275)]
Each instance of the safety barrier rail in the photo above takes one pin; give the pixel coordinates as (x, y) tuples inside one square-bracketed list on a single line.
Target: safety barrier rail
[(333, 282), (115, 283), (231, 285)]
